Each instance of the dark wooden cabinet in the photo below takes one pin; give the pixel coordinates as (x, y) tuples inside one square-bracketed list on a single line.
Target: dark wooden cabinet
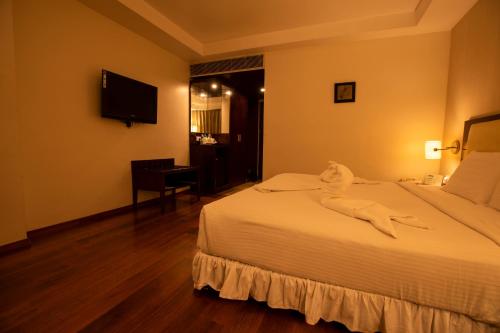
[(237, 157), (227, 164), (213, 164)]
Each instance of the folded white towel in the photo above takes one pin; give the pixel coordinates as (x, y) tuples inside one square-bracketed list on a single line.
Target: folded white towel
[(358, 180), (289, 182), (338, 178), (378, 215)]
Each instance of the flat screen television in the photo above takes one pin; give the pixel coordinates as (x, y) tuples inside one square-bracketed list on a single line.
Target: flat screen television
[(127, 99)]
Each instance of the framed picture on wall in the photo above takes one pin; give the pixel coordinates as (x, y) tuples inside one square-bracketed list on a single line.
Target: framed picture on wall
[(344, 92)]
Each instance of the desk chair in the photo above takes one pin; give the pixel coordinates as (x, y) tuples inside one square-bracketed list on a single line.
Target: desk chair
[(161, 175)]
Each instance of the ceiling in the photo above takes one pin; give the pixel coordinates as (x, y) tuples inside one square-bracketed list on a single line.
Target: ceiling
[(216, 20), (198, 30)]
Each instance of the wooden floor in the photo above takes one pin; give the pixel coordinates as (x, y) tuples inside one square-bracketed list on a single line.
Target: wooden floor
[(128, 273)]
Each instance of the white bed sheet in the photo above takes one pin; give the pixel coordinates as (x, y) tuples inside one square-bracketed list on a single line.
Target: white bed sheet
[(450, 267)]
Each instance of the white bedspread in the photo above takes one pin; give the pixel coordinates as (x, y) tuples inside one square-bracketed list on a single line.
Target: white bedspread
[(450, 266), (482, 219)]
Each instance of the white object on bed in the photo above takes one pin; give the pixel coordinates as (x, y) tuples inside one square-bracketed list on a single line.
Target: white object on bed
[(359, 180), (289, 182), (337, 177), (335, 181), (450, 267), (476, 177), (495, 198), (378, 215)]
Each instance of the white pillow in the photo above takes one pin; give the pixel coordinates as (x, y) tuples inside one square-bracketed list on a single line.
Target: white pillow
[(495, 198), (476, 177)]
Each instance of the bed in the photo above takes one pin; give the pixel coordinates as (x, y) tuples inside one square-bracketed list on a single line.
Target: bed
[(287, 250)]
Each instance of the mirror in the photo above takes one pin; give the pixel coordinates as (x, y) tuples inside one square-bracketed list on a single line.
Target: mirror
[(210, 106)]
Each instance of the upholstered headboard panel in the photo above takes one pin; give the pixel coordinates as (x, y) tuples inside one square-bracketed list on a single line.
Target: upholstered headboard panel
[(482, 134)]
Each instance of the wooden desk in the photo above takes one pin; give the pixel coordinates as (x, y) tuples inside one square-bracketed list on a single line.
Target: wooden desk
[(161, 176)]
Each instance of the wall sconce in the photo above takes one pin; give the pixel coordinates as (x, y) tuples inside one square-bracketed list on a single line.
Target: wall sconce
[(433, 149), (454, 148)]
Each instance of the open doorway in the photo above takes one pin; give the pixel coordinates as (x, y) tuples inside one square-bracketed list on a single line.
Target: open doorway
[(226, 128)]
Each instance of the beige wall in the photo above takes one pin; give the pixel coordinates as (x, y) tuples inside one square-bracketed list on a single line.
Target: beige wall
[(11, 192), (400, 103), (75, 162), (474, 75)]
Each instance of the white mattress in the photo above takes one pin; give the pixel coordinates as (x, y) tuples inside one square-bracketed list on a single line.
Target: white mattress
[(450, 267)]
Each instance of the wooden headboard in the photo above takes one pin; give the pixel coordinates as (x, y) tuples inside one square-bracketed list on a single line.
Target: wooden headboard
[(481, 134)]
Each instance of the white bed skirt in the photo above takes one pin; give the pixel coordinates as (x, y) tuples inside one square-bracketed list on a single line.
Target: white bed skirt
[(359, 311)]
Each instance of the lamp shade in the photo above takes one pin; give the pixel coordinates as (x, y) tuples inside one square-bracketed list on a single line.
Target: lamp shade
[(430, 153)]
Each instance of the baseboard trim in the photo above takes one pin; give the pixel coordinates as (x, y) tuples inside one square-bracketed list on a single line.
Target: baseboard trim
[(52, 229), (15, 246), (55, 228)]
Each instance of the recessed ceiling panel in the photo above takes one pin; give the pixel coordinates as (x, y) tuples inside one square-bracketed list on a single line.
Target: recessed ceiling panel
[(216, 20)]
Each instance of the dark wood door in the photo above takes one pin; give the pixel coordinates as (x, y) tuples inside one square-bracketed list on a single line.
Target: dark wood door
[(254, 139), (238, 137)]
